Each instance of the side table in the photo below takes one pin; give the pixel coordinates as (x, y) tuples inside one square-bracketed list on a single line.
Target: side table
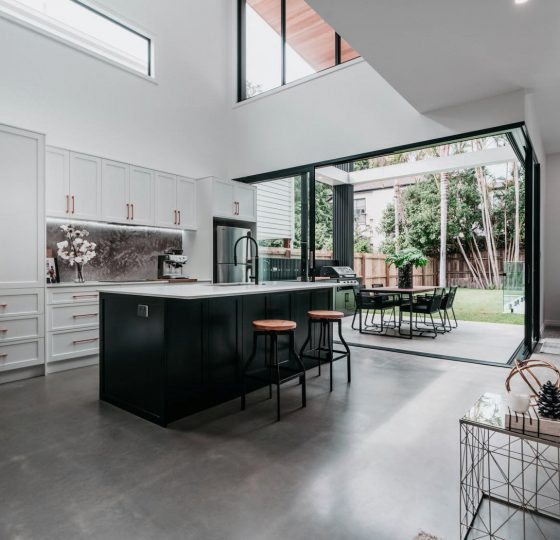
[(509, 480)]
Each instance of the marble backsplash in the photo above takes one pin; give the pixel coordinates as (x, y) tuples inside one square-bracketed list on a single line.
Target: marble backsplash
[(124, 252)]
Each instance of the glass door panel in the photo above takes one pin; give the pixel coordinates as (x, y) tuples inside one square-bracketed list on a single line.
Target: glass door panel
[(282, 228)]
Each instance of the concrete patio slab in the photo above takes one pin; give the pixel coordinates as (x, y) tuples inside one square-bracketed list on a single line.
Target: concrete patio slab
[(483, 342)]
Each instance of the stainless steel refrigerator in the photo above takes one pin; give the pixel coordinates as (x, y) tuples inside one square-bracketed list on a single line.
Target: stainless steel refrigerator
[(224, 269)]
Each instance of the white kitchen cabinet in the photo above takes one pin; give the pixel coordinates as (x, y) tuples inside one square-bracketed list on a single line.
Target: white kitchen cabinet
[(22, 208), (175, 201), (85, 186), (141, 196), (245, 199), (223, 196), (234, 200), (166, 199), (186, 202), (57, 172), (114, 191)]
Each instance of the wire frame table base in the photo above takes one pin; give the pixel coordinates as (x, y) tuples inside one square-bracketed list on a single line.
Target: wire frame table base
[(509, 484)]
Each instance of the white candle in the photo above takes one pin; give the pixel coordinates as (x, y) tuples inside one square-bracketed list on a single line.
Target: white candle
[(519, 402)]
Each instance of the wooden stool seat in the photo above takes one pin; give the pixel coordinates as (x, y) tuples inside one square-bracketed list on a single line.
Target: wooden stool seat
[(325, 314), (274, 325)]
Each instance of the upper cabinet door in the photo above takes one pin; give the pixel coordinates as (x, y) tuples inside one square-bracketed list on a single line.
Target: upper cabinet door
[(224, 198), (22, 209), (141, 196), (166, 199), (186, 202), (114, 191), (85, 186), (245, 198), (57, 195)]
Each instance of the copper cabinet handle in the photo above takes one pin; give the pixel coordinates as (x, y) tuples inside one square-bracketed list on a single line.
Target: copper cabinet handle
[(132, 211), (127, 211), (90, 340), (81, 316), (175, 222), (93, 295), (179, 212), (238, 208), (3, 330), (3, 305), (73, 204), (3, 354), (67, 203)]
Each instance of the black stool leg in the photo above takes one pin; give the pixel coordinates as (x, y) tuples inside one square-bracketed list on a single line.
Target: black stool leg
[(302, 367), (307, 340), (328, 325), (247, 364), (274, 348), (347, 350), (268, 363), (321, 341)]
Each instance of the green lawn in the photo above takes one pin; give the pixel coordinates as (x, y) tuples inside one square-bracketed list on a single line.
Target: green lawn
[(483, 306)]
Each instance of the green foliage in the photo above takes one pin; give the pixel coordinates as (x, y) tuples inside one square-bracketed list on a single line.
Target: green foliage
[(420, 226), (361, 243), (407, 256), (323, 215)]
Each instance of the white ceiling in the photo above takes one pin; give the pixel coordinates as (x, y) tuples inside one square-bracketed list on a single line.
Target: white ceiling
[(439, 53)]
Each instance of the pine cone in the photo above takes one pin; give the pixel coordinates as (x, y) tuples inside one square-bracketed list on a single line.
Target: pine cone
[(549, 401)]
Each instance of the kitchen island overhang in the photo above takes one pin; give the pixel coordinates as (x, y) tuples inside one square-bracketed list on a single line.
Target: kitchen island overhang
[(168, 351)]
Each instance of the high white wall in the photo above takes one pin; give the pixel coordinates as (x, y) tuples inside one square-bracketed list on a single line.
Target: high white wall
[(79, 102), (551, 250), (345, 112)]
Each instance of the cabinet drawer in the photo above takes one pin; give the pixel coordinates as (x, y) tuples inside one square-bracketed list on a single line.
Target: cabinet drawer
[(20, 303), (12, 329), (73, 344), (15, 355), (68, 317), (72, 296)]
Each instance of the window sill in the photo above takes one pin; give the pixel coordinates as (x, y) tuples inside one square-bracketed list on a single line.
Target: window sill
[(299, 82)]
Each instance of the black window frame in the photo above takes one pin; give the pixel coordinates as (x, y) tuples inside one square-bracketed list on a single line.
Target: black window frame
[(242, 51)]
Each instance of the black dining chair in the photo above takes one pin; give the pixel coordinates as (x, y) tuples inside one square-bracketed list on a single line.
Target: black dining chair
[(427, 306), (446, 307), (373, 302)]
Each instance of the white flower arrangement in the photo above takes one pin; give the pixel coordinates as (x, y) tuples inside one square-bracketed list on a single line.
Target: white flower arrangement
[(76, 249)]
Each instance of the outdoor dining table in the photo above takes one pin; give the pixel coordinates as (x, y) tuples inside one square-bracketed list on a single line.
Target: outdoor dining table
[(403, 292)]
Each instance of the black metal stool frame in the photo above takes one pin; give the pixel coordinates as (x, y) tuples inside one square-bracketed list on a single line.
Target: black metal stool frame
[(271, 364), (326, 346)]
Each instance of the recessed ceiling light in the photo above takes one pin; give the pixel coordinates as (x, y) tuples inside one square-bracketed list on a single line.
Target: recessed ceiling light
[(521, 1)]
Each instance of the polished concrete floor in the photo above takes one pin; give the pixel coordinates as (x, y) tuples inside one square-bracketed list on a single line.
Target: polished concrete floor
[(376, 460), (480, 341)]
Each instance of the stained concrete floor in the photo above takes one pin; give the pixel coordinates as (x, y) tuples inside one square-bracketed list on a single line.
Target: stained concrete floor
[(377, 460)]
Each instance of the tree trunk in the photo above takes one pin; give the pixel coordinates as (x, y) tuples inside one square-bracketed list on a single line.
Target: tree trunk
[(517, 230), (443, 203), (397, 204), (443, 229)]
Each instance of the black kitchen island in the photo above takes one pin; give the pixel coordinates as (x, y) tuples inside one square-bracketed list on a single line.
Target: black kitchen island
[(168, 351)]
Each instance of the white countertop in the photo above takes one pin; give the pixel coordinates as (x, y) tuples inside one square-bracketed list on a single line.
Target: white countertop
[(120, 283), (195, 290)]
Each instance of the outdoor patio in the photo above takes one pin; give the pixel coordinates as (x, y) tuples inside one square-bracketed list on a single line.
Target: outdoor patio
[(480, 341)]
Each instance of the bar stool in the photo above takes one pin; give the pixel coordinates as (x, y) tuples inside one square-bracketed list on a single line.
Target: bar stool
[(275, 371), (326, 319)]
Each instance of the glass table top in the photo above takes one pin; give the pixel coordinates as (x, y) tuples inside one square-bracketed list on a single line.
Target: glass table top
[(489, 411)]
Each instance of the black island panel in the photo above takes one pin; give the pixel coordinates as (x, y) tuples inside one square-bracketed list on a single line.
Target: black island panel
[(182, 356)]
